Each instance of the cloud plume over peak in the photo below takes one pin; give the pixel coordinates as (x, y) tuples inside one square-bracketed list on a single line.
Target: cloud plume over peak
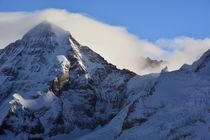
[(114, 43)]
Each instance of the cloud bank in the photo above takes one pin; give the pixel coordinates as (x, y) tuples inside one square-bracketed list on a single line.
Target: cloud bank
[(114, 43)]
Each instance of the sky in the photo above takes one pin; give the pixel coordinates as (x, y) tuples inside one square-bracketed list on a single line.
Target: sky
[(122, 31), (147, 19)]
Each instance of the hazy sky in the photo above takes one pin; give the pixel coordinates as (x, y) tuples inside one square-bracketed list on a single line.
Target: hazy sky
[(147, 19)]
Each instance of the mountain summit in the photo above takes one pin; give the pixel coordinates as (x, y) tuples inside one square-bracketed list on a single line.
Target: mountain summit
[(45, 31), (53, 87)]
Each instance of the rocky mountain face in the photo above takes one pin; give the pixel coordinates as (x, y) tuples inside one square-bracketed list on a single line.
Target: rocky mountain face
[(56, 85), (152, 65), (51, 87)]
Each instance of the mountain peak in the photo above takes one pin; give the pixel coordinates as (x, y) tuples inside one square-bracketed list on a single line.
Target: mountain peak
[(45, 31)]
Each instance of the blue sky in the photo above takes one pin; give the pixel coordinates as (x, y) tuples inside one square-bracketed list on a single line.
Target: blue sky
[(148, 19)]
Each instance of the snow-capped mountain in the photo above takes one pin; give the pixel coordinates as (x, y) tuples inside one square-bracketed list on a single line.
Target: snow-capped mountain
[(51, 87)]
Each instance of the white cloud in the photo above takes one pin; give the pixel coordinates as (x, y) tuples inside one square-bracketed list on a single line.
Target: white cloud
[(183, 50), (114, 43)]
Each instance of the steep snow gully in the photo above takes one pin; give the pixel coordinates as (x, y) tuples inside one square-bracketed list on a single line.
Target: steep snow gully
[(51, 87)]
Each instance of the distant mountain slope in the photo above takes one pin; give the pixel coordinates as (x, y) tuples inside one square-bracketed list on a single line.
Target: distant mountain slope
[(151, 65)]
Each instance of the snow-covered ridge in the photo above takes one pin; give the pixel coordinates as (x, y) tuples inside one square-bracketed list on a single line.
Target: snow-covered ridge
[(202, 65)]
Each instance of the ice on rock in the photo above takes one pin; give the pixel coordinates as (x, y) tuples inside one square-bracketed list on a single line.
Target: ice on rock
[(43, 101)]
